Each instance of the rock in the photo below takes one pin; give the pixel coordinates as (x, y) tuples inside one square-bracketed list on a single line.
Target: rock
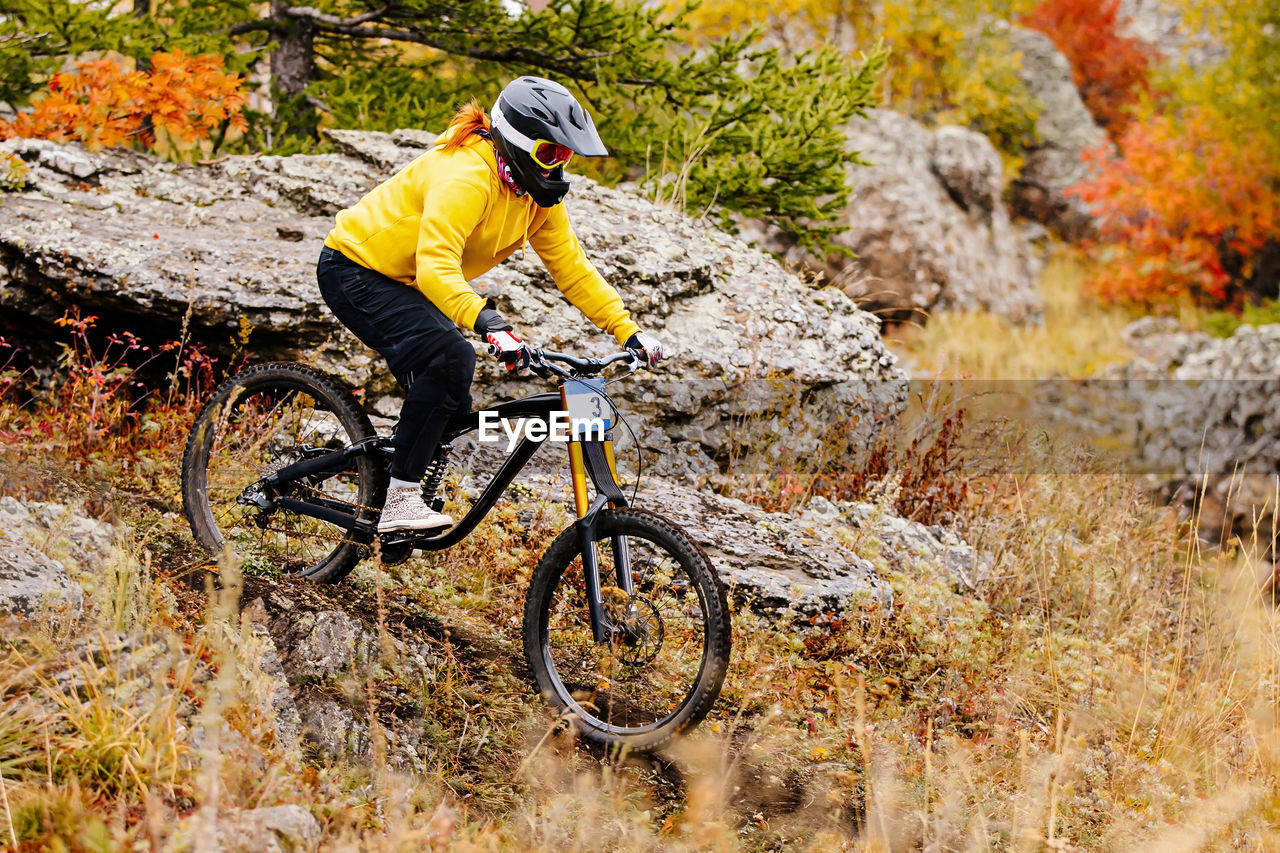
[(284, 712), (1160, 24), (91, 551), (390, 152), (1161, 346), (969, 168), (1251, 353), (1220, 416), (1207, 430), (148, 246), (1065, 129), (908, 546), (927, 226), (333, 728), (276, 829), (322, 655), (773, 562), (33, 584), (63, 532), (329, 644), (811, 562)]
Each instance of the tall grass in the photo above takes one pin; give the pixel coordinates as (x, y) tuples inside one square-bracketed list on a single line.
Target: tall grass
[(1078, 336), (1110, 685)]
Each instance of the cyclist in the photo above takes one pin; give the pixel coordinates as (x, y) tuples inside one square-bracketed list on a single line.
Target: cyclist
[(395, 268)]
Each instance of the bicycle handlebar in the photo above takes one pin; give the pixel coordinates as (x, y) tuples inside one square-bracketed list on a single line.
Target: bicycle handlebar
[(541, 362)]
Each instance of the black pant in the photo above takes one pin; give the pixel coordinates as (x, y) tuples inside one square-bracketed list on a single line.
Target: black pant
[(426, 352)]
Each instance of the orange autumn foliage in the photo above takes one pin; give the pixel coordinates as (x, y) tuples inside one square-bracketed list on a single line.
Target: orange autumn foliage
[(1110, 69), (102, 104), (1182, 211)]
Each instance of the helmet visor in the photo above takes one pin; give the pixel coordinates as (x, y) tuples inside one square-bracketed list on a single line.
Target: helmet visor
[(550, 155)]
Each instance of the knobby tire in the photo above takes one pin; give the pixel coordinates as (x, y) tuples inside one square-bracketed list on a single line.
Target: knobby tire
[(639, 698), (240, 420)]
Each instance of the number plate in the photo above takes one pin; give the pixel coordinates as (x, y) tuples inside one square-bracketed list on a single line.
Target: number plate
[(586, 401)]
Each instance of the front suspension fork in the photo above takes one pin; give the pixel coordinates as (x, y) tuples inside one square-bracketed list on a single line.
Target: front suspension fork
[(596, 459)]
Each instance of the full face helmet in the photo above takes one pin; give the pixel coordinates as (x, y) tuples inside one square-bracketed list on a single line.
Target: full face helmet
[(536, 126)]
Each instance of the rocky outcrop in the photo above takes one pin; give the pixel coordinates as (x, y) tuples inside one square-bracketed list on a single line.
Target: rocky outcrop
[(1160, 346), (302, 653), (926, 226), (800, 567), (62, 531), (1207, 427), (270, 829), (1210, 405), (1064, 128), (275, 829), (156, 247)]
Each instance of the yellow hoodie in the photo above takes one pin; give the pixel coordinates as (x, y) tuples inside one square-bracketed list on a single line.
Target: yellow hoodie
[(447, 218)]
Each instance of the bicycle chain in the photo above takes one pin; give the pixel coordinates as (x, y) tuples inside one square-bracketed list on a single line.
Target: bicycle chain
[(339, 540)]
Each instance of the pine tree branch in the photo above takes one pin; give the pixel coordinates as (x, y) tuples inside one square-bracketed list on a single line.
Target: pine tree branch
[(577, 67), (316, 15), (333, 20), (259, 25)]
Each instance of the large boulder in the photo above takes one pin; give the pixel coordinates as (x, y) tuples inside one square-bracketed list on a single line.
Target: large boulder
[(925, 225), (156, 248), (1065, 130)]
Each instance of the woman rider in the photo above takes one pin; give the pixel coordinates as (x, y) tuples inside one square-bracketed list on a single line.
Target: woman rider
[(395, 267)]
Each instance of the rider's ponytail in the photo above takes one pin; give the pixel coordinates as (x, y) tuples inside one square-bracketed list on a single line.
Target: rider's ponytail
[(465, 121)]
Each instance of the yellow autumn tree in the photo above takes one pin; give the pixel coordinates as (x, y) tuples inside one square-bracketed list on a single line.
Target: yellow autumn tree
[(951, 61)]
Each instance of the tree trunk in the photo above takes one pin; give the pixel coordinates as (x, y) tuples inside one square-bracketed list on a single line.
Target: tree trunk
[(293, 63)]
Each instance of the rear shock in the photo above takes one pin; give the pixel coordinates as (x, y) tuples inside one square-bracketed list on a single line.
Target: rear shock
[(434, 476)]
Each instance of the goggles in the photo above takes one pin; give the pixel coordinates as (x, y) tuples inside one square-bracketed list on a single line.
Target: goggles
[(550, 155)]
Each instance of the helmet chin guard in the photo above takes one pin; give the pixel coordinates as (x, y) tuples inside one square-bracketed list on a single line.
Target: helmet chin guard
[(532, 109)]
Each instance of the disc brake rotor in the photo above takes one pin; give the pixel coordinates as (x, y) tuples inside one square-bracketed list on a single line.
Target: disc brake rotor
[(635, 625)]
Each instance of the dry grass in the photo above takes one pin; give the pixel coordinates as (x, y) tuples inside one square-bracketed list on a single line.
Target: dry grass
[(1078, 336), (1109, 686)]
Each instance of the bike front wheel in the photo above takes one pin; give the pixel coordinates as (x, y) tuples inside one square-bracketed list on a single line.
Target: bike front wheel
[(256, 423), (660, 669)]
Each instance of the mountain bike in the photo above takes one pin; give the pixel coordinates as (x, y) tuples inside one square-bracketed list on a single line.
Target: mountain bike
[(626, 627)]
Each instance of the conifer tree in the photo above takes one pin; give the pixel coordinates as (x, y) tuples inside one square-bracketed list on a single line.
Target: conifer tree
[(729, 126)]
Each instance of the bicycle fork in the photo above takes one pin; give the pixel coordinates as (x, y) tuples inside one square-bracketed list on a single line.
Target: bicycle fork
[(594, 458)]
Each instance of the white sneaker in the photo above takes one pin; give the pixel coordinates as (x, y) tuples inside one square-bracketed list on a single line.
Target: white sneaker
[(405, 510)]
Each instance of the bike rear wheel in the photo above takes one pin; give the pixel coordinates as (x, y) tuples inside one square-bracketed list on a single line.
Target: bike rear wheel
[(256, 423), (661, 669)]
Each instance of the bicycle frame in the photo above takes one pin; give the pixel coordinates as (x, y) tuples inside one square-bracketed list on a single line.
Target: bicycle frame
[(588, 458)]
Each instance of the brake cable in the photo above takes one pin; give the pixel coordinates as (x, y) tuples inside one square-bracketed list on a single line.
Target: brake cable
[(635, 489)]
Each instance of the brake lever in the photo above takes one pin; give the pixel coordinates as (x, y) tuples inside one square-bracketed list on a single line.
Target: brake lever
[(537, 364), (636, 364)]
